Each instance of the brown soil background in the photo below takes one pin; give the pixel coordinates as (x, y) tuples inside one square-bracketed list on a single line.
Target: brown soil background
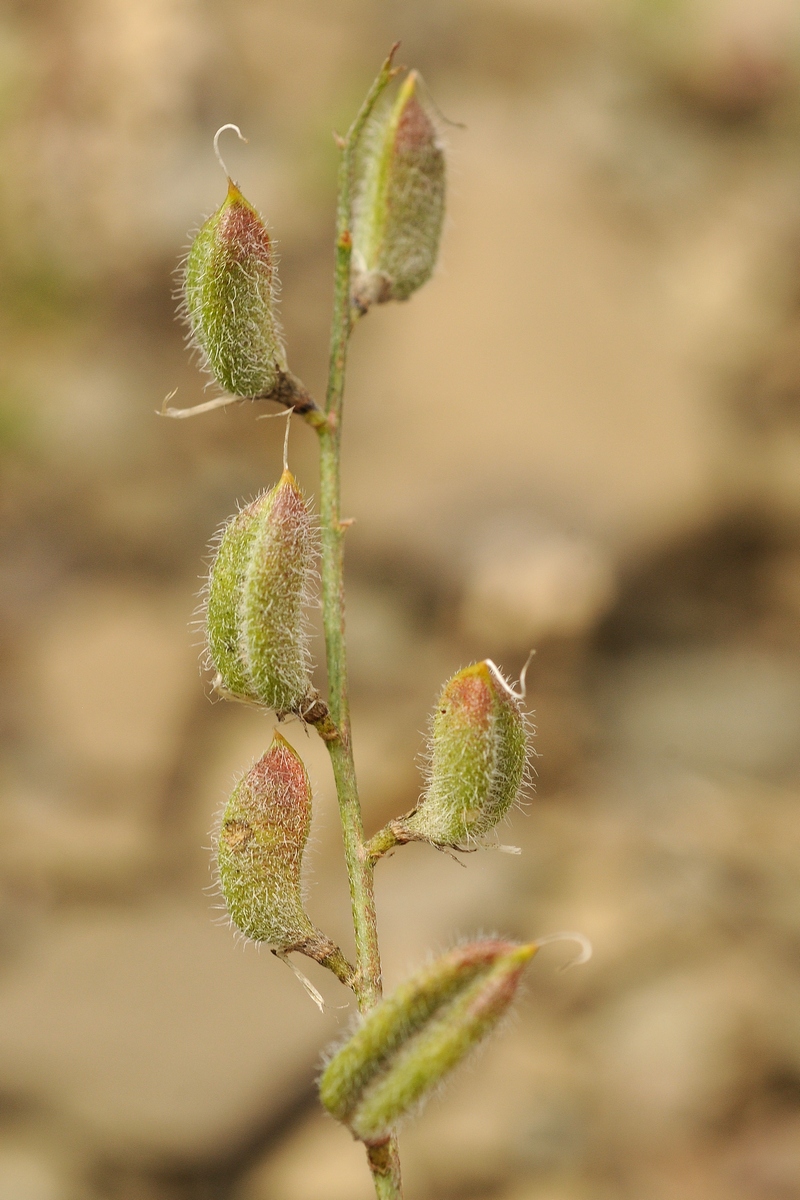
[(583, 435)]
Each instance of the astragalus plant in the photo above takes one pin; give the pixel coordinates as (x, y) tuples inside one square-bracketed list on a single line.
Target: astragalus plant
[(266, 564)]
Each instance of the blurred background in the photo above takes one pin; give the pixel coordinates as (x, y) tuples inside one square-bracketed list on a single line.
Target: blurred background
[(583, 436)]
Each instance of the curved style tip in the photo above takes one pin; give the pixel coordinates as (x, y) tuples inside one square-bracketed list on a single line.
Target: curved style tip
[(222, 129), (289, 412), (516, 694), (584, 954)]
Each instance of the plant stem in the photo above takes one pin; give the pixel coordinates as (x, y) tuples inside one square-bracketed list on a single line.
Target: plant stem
[(382, 842), (367, 983), (385, 1166), (384, 1162)]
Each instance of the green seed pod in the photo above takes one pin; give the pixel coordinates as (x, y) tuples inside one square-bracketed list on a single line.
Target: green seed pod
[(229, 288), (260, 845), (224, 597), (258, 590), (400, 208), (477, 760), (411, 1040), (275, 591)]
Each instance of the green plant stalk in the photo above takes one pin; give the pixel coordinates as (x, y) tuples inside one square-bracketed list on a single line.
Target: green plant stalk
[(383, 1160)]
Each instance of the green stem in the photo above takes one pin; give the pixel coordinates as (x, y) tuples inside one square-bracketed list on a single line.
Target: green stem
[(384, 1162), (367, 983), (384, 841)]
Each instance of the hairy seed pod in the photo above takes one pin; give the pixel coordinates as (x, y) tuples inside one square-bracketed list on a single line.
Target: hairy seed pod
[(230, 287), (275, 592), (259, 587), (411, 1040), (223, 634), (400, 208), (260, 846), (477, 760)]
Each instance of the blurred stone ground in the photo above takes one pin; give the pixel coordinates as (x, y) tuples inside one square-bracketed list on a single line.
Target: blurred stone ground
[(583, 435)]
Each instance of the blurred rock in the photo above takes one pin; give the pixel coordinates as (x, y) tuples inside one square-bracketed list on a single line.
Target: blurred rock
[(733, 56), (716, 709), (50, 845), (116, 82), (525, 589), (318, 1161), (113, 675), (26, 1173), (587, 1190), (765, 1161), (156, 1031), (108, 681), (675, 1055)]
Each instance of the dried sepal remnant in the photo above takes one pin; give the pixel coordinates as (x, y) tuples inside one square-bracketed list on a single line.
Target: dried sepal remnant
[(478, 759), (400, 209), (258, 592), (230, 295), (410, 1041)]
